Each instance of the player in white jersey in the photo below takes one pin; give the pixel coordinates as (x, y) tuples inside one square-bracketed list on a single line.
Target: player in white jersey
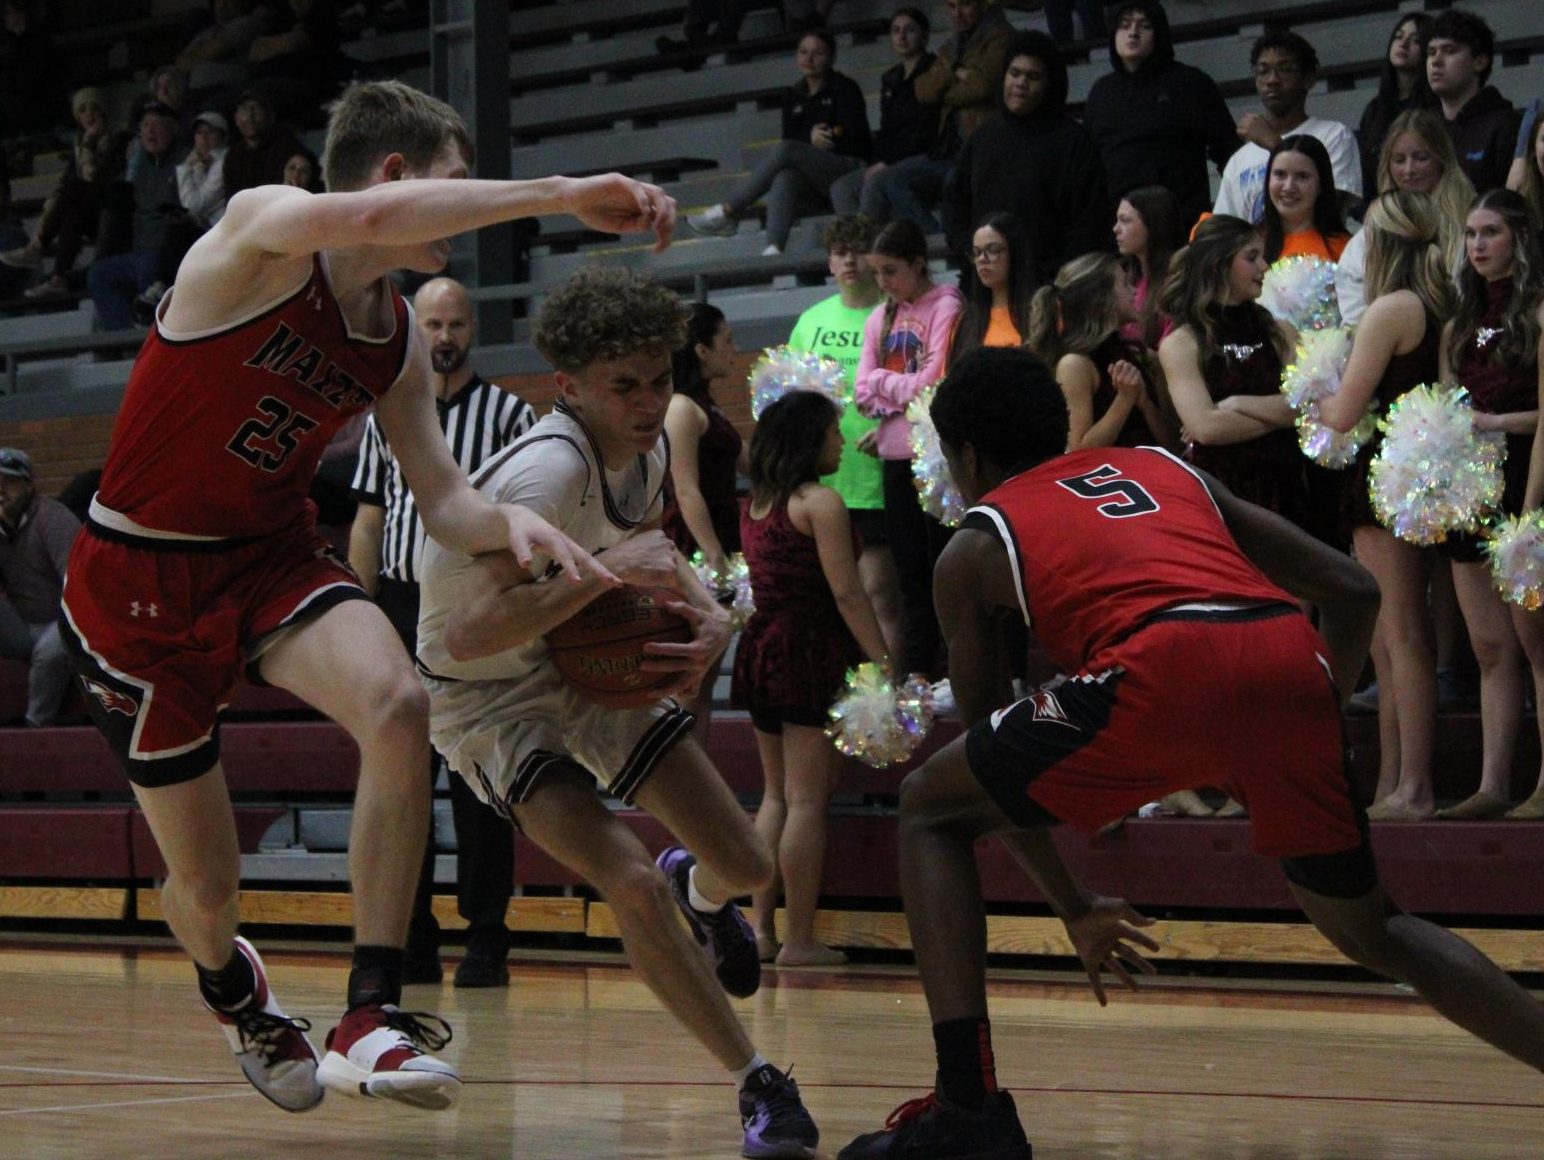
[(533, 748)]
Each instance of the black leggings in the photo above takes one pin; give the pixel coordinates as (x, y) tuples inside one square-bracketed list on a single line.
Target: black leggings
[(916, 540)]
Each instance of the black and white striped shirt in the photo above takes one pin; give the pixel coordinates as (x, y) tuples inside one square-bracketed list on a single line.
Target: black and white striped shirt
[(479, 420)]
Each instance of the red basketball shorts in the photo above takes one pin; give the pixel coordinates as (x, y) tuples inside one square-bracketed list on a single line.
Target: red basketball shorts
[(159, 634), (1242, 701)]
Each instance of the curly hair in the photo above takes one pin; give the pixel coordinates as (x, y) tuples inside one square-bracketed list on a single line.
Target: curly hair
[(851, 233), (602, 314)]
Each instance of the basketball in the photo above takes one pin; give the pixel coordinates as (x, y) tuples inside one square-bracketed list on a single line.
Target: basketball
[(599, 650)]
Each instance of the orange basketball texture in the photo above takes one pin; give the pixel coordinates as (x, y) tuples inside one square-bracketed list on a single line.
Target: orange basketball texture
[(599, 650)]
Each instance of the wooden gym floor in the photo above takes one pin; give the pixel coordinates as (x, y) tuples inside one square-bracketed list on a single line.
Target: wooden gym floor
[(107, 1053)]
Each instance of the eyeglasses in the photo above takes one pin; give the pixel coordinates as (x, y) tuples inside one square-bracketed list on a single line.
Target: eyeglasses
[(994, 251)]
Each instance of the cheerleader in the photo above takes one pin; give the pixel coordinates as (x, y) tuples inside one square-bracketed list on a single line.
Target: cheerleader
[(812, 623)]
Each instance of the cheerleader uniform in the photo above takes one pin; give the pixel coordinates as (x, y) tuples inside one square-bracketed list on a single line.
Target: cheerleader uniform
[(718, 451), (1268, 470), (796, 649), (1403, 372), (1497, 389), (1115, 347)]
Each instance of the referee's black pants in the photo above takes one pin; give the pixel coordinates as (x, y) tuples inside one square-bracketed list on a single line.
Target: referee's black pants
[(485, 842)]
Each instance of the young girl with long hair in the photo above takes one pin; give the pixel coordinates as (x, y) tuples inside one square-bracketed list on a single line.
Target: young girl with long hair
[(997, 299), (1302, 207), (812, 623), (1491, 346), (904, 348), (1148, 231), (1417, 155), (1223, 367), (1401, 87), (1112, 388), (1410, 296), (1530, 183)]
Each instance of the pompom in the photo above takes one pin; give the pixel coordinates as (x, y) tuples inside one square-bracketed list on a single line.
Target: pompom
[(1301, 291), (1435, 474), (940, 498), (1516, 550), (876, 722), (730, 586), (1312, 378), (781, 369)]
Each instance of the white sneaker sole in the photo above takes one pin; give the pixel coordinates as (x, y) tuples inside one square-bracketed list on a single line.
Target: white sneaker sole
[(433, 1091)]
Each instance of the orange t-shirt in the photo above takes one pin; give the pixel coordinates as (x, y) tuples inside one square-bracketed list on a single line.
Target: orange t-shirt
[(1311, 243), (1000, 330)]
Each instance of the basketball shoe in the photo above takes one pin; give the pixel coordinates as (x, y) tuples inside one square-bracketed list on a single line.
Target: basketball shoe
[(274, 1053), (380, 1051), (930, 1129), (724, 934), (776, 1123)]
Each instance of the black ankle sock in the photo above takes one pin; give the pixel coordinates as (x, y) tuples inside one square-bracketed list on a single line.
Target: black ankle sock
[(376, 977), (967, 1070), (231, 985)]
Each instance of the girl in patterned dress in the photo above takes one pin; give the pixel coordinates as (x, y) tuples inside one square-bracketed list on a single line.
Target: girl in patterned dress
[(812, 623)]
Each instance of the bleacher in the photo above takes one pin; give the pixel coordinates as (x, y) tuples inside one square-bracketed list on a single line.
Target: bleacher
[(588, 92)]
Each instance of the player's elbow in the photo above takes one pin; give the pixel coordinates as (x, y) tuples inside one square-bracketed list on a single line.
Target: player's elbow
[(463, 641)]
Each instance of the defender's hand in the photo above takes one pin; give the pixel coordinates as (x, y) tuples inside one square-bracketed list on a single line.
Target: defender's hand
[(620, 205), (530, 534)]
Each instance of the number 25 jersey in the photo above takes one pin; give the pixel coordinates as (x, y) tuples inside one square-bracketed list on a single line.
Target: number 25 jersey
[(220, 432), (1102, 539)]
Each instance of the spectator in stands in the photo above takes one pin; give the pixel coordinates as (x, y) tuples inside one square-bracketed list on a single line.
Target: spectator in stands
[(262, 146), (964, 83), (303, 171), (29, 84), (72, 215), (905, 344), (1058, 19), (1148, 231), (301, 64), (1001, 286), (1530, 174), (707, 22), (833, 328), (116, 280), (200, 203), (1285, 68), (215, 60), (1417, 155), (1401, 86), (170, 87), (825, 137), (1033, 160), (13, 236), (802, 15), (386, 545), (907, 127), (707, 455), (36, 534), (1109, 381), (1530, 118), (1302, 210), (1460, 50), (1154, 119)]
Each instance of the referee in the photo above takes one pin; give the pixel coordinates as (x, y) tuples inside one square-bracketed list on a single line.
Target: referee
[(386, 549)]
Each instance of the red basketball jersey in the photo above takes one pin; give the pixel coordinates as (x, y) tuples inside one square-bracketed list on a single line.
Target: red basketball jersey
[(220, 432), (1102, 539)]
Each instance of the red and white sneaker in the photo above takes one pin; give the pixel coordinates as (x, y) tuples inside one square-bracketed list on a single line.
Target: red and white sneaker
[(380, 1051), (274, 1053)]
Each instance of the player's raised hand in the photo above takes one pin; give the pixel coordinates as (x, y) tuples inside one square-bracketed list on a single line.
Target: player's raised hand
[(620, 205), (1106, 937), (529, 535)]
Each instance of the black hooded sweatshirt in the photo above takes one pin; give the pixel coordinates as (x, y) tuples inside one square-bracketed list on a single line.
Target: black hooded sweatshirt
[(1044, 168), (1158, 125), (1484, 137)]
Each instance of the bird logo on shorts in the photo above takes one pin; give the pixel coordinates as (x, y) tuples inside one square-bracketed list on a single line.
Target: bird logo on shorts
[(1047, 708), (112, 700)]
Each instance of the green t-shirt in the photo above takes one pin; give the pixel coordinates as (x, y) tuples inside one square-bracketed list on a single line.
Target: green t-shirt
[(835, 331)]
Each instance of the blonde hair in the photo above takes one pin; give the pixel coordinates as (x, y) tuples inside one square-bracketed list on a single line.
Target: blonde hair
[(375, 118), (89, 95), (1532, 185), (1453, 192), (1077, 312), (1404, 251)]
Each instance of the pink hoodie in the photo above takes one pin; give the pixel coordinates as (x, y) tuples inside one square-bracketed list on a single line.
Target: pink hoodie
[(913, 358)]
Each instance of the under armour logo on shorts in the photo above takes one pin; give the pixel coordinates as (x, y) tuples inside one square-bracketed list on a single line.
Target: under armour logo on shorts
[(136, 609)]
